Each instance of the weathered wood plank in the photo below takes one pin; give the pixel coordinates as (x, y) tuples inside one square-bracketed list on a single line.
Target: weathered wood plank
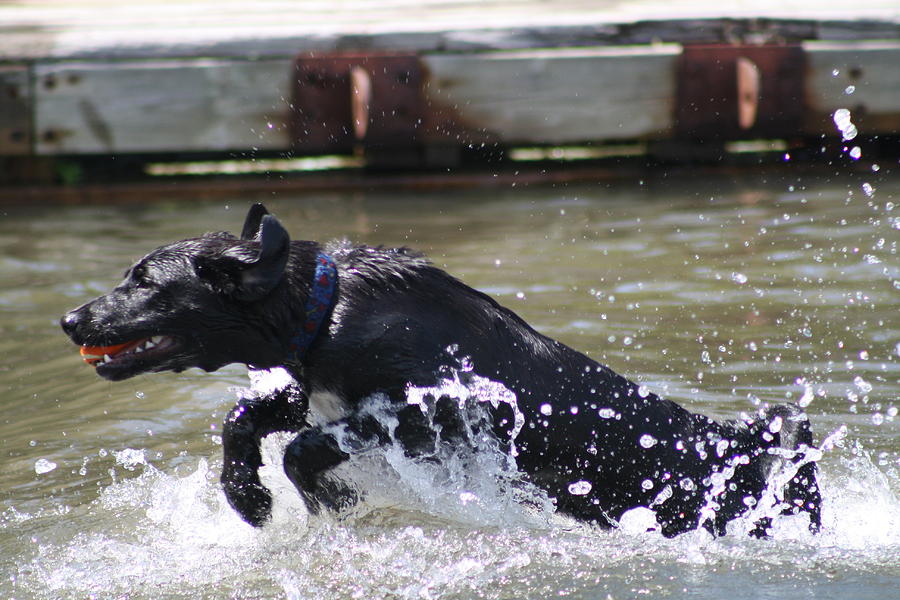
[(529, 97), (863, 77), (559, 97), (15, 110), (161, 106)]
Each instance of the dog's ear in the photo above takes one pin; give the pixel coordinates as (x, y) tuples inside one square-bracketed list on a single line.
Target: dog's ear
[(259, 276), (253, 221), (243, 271)]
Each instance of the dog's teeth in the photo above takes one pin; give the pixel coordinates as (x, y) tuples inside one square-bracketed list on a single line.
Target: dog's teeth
[(138, 349), (149, 344), (106, 358), (156, 339)]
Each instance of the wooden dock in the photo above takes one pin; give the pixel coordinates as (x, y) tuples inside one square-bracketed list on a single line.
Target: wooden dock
[(430, 84)]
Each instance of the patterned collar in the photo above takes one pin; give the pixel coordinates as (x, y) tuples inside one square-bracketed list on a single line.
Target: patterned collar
[(318, 304)]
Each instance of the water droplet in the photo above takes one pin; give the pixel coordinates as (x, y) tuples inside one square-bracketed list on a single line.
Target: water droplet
[(627, 340), (606, 413), (662, 496), (849, 89), (835, 72), (520, 295), (807, 396), (466, 497), (130, 458), (42, 465), (139, 395), (721, 447), (841, 117), (842, 121), (855, 152), (877, 419), (647, 484), (868, 190), (739, 278), (863, 355), (647, 441), (686, 484), (864, 386), (546, 409), (775, 425), (580, 488), (643, 391)]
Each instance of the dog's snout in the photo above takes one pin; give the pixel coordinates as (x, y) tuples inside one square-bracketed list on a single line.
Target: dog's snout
[(69, 323)]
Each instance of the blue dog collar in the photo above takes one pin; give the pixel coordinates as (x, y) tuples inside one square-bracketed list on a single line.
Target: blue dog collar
[(318, 304)]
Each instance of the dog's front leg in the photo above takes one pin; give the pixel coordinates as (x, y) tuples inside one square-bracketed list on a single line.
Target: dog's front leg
[(316, 450), (247, 423)]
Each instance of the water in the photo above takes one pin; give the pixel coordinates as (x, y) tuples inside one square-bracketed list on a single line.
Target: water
[(719, 294)]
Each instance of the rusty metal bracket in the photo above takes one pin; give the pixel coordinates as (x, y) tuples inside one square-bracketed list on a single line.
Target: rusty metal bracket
[(344, 103), (731, 92)]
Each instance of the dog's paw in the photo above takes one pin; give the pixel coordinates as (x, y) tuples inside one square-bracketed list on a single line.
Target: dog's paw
[(249, 497), (329, 495)]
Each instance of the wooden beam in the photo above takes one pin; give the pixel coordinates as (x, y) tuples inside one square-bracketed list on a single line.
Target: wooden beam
[(559, 96), (553, 96), (161, 106), (863, 77)]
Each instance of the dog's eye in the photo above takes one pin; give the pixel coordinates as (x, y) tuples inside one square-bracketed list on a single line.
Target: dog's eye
[(139, 276)]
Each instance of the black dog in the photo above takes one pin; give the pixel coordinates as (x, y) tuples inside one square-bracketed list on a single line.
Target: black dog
[(351, 322)]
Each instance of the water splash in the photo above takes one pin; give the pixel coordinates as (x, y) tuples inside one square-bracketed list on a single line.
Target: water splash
[(464, 386), (458, 524), (170, 533), (476, 483)]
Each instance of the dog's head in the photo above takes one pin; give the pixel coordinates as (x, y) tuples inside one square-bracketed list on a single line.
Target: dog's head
[(202, 302)]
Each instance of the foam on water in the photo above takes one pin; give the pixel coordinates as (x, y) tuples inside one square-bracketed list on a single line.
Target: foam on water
[(463, 526)]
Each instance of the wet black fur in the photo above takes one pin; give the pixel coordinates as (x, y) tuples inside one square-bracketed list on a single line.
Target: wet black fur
[(227, 300)]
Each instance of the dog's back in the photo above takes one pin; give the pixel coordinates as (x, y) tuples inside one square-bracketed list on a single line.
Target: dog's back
[(588, 430)]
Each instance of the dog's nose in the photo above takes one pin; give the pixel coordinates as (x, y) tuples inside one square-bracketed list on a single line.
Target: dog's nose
[(69, 323)]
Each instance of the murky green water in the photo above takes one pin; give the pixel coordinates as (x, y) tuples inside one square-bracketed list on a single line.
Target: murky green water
[(715, 293)]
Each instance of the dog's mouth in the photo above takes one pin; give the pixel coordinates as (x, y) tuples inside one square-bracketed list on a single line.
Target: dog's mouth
[(139, 354)]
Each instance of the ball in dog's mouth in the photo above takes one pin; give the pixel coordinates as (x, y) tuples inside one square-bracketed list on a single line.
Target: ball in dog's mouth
[(99, 355)]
